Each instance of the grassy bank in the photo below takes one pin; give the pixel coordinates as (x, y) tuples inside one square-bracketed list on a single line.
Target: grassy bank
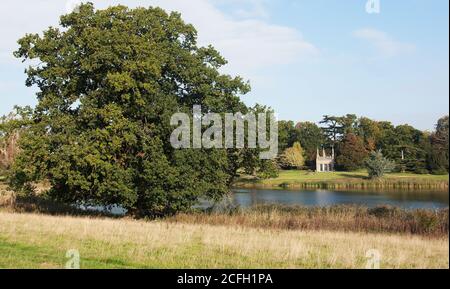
[(347, 180), (38, 241)]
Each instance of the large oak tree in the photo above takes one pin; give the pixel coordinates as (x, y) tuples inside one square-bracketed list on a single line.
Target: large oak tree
[(108, 82)]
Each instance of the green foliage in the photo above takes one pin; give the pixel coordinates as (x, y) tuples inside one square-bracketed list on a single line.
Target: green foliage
[(370, 131), (293, 157), (337, 127), (440, 172), (286, 134), (406, 146), (269, 170), (411, 149), (249, 159), (109, 81), (377, 165), (310, 137), (438, 152), (352, 153)]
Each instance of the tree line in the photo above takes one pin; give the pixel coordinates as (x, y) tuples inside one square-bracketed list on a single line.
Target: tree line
[(354, 138)]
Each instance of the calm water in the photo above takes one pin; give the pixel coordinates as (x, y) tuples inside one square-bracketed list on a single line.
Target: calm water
[(322, 198)]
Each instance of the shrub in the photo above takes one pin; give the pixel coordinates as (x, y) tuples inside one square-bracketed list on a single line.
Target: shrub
[(293, 157), (440, 172), (421, 171), (377, 165)]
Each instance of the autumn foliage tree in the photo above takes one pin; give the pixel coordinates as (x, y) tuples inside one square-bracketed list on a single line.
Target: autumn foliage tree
[(293, 157), (352, 153)]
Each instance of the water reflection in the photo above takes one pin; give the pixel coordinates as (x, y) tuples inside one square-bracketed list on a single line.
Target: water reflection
[(318, 198)]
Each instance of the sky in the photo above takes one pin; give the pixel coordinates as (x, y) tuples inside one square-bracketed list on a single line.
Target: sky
[(304, 58)]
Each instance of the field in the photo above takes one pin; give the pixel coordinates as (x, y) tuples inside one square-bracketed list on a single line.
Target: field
[(39, 241), (263, 237), (348, 180)]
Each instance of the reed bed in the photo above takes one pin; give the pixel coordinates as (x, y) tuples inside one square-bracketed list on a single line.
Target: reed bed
[(388, 184), (383, 219)]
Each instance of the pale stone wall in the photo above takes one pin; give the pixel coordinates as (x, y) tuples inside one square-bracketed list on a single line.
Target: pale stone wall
[(324, 163)]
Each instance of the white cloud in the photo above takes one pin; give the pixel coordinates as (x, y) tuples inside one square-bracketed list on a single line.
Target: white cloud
[(247, 8), (383, 42), (249, 43)]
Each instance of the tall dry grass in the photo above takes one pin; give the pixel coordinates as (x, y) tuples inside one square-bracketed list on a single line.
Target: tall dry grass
[(382, 219), (353, 184)]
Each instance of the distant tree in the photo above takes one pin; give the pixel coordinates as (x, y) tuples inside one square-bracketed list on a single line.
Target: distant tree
[(310, 137), (370, 131), (336, 127), (436, 162), (406, 146), (269, 169), (352, 153), (293, 157), (349, 123), (333, 128), (442, 131), (377, 165), (438, 153), (251, 161), (286, 135), (248, 159)]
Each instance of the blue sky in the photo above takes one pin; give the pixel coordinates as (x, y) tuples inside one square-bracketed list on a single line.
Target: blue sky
[(305, 58)]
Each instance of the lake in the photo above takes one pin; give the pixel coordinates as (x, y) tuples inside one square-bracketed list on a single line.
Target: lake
[(323, 198)]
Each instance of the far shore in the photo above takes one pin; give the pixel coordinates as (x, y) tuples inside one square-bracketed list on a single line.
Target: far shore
[(301, 179)]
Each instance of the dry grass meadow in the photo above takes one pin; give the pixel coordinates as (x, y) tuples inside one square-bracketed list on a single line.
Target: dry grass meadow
[(262, 238), (41, 241)]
